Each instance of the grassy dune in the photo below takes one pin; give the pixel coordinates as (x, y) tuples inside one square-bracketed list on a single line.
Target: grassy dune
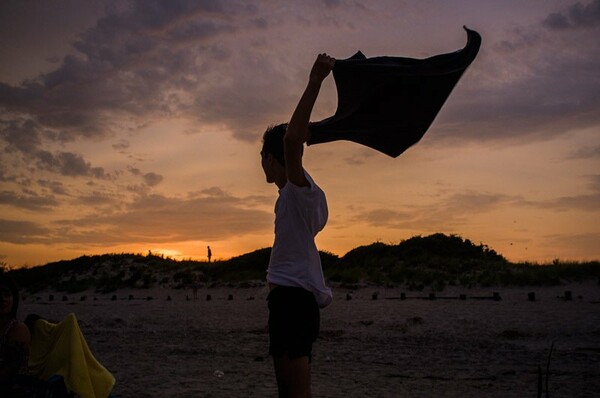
[(434, 261)]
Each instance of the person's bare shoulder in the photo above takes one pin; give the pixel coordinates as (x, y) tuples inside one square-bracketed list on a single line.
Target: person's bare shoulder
[(19, 333)]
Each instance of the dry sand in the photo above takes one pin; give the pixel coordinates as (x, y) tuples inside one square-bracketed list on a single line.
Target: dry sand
[(382, 348)]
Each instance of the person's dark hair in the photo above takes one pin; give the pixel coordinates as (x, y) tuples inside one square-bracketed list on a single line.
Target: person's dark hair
[(273, 141), (8, 281)]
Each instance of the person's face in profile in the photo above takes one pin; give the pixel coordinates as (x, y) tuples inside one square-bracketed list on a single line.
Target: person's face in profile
[(266, 161)]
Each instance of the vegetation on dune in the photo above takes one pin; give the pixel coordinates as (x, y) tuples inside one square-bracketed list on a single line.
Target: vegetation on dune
[(420, 261), (433, 261)]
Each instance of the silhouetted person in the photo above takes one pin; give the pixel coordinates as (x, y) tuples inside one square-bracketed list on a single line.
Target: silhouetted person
[(295, 276), (14, 337), (209, 253)]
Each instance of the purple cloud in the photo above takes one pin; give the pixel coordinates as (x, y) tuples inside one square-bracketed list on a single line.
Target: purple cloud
[(576, 16)]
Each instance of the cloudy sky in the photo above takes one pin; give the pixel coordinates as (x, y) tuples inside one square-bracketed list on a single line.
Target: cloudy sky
[(128, 126)]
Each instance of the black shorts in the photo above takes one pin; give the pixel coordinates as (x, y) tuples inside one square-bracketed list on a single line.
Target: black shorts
[(294, 322)]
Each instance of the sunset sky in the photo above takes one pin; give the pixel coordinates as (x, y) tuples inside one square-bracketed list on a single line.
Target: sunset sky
[(128, 126)]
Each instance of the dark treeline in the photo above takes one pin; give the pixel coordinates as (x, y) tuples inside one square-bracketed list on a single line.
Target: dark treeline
[(434, 261)]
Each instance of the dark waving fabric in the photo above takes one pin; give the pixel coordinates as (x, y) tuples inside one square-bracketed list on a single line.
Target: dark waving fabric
[(388, 103)]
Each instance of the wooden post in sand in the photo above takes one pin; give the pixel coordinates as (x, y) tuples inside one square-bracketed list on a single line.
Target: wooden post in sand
[(531, 296), (462, 297), (402, 296), (431, 296), (496, 296), (568, 295), (374, 296), (539, 383), (208, 297), (348, 297), (230, 297)]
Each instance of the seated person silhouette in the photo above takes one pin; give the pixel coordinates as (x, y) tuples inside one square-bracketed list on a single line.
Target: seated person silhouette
[(14, 337)]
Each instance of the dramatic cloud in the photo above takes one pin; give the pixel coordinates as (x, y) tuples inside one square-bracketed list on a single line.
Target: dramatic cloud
[(21, 135), (577, 16), (454, 211), (6, 177), (449, 212), (95, 199), (579, 202), (29, 201), (21, 232), (184, 58), (55, 187), (130, 63), (157, 218), (588, 202), (214, 192), (68, 164), (150, 179), (158, 58), (26, 137)]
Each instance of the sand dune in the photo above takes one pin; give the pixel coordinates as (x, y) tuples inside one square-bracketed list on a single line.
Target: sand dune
[(368, 348)]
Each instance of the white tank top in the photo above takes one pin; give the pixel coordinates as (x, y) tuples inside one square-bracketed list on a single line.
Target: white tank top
[(300, 213)]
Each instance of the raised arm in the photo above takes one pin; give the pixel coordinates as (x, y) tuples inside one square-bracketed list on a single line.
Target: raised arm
[(297, 131)]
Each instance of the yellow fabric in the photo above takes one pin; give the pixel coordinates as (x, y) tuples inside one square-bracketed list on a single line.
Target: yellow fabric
[(61, 349)]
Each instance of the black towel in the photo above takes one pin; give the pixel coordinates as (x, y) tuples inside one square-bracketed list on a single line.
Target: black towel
[(388, 103)]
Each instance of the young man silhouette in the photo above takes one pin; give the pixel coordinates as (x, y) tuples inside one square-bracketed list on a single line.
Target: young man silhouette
[(295, 277)]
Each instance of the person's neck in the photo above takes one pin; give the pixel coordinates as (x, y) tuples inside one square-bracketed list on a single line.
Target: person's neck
[(281, 179), (281, 184)]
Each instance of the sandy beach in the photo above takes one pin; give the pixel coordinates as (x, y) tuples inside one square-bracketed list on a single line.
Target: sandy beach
[(368, 348)]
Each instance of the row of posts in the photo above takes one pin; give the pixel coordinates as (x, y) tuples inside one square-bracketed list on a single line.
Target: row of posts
[(131, 297), (495, 296)]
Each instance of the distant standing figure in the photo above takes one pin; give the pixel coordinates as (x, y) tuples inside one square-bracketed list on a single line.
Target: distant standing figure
[(209, 253)]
